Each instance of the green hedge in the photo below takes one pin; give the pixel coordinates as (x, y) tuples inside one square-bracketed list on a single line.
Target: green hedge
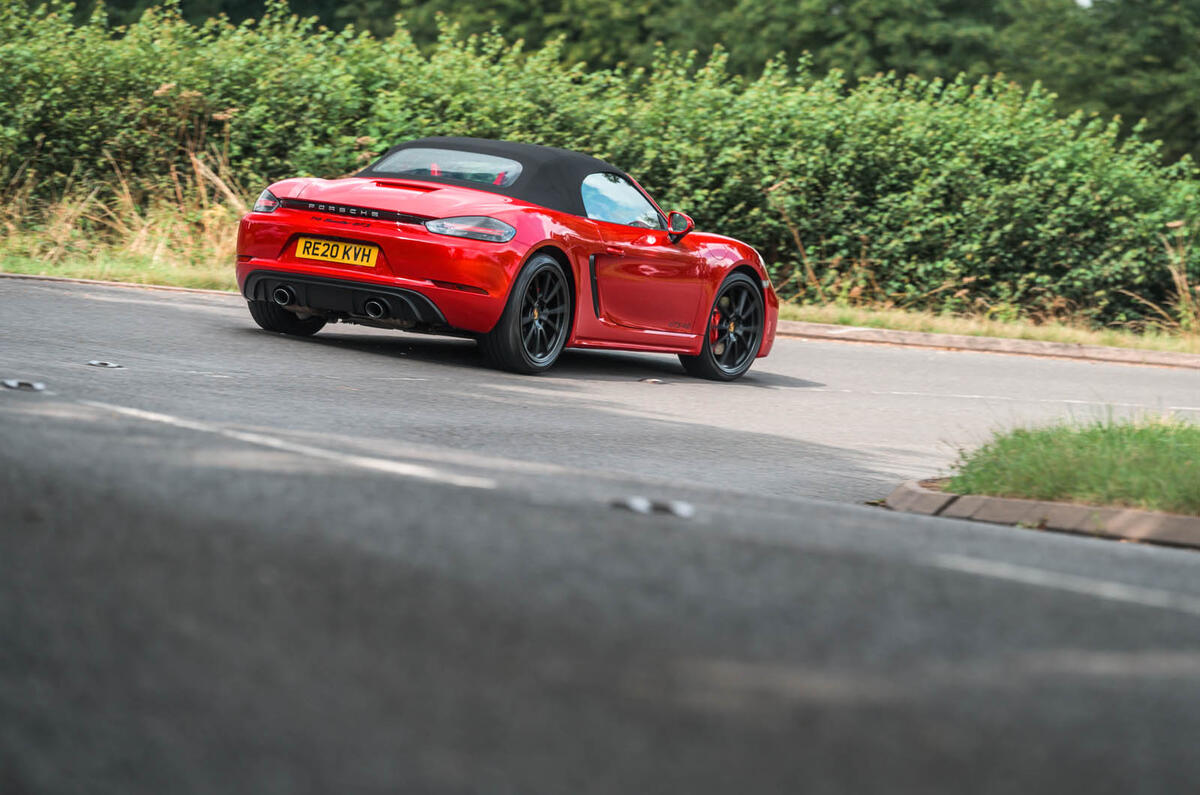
[(942, 196)]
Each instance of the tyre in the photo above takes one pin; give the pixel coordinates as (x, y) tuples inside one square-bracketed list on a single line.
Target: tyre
[(536, 322), (275, 318), (734, 332)]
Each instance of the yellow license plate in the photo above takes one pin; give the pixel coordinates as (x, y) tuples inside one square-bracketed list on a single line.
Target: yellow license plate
[(337, 251)]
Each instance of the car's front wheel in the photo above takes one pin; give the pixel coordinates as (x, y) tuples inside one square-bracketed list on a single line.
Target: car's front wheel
[(536, 322), (733, 334), (273, 317)]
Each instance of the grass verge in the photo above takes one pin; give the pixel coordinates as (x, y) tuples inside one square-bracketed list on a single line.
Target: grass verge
[(1152, 464), (129, 268), (907, 320)]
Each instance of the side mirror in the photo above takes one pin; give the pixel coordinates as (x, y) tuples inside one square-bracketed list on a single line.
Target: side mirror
[(678, 225)]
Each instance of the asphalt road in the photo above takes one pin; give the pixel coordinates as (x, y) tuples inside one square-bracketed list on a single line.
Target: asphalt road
[(365, 563)]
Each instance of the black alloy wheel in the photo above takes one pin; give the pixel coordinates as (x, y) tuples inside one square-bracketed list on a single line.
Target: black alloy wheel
[(536, 322), (543, 315), (733, 334)]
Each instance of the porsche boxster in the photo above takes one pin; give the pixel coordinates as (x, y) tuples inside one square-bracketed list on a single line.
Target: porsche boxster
[(528, 249)]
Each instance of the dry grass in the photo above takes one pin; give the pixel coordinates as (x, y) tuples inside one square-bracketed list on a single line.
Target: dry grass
[(115, 267), (185, 235)]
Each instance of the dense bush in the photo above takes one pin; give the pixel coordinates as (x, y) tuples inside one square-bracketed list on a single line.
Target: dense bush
[(955, 196), (1133, 58)]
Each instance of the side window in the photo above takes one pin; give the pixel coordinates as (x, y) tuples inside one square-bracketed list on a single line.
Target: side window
[(610, 197)]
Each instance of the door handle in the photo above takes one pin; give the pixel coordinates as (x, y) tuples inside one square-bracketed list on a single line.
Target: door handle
[(613, 251)]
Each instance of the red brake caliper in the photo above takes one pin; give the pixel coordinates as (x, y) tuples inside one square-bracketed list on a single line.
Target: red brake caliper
[(714, 325)]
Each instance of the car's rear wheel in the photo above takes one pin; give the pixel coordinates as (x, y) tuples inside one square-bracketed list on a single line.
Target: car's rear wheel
[(733, 334), (273, 317), (536, 322)]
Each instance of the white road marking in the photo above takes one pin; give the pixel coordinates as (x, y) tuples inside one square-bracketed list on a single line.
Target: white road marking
[(307, 376), (624, 479), (384, 465), (1072, 583)]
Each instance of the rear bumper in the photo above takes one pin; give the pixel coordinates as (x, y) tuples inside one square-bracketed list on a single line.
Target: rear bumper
[(422, 303), (465, 281), (345, 296)]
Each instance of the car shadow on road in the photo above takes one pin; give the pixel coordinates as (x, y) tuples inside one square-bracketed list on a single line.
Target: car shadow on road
[(622, 366), (573, 364), (452, 351)]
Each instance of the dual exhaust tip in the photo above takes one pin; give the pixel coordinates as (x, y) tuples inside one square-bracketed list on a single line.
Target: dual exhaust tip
[(374, 308)]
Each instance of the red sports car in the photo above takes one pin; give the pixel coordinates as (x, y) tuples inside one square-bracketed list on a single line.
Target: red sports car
[(527, 248)]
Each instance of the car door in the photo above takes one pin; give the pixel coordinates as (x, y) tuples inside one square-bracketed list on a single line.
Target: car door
[(643, 280)]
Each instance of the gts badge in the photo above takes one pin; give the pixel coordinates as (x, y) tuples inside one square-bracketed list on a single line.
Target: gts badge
[(677, 325)]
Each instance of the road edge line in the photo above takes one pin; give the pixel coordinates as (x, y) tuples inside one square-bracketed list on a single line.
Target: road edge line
[(962, 342), (101, 283)]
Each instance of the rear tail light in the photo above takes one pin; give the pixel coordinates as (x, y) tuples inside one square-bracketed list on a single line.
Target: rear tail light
[(267, 203), (475, 227)]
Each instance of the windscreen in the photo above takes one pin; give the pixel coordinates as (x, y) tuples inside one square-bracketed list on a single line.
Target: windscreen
[(449, 164)]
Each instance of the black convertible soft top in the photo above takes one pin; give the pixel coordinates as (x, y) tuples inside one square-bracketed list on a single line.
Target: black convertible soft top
[(549, 177)]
